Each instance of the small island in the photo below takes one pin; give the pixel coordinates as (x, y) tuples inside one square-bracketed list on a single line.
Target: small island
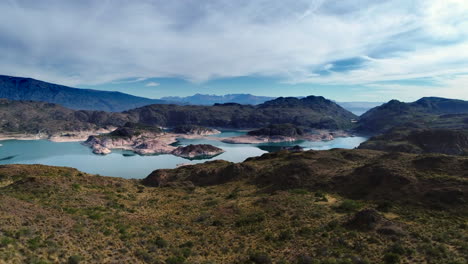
[(283, 133), (148, 140)]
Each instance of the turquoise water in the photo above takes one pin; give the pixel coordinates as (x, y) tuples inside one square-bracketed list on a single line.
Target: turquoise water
[(121, 163)]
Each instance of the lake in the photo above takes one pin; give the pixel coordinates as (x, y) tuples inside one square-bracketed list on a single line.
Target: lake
[(124, 164)]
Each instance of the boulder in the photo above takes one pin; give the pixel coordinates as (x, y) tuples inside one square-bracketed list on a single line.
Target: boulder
[(196, 151)]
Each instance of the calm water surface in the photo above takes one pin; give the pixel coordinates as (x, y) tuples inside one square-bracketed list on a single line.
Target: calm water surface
[(123, 164)]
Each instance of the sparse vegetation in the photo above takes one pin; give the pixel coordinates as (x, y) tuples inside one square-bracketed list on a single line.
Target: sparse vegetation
[(61, 215)]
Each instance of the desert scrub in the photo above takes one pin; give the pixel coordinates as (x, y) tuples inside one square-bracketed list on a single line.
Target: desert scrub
[(259, 258), (75, 259), (348, 206), (160, 242), (250, 219)]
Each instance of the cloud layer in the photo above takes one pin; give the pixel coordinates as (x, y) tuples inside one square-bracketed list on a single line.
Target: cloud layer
[(359, 42)]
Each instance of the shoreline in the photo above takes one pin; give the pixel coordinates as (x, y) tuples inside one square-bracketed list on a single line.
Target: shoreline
[(66, 136), (321, 135), (82, 136)]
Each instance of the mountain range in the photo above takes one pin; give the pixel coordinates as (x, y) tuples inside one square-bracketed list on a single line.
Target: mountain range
[(32, 117), (356, 108), (427, 112), (19, 88)]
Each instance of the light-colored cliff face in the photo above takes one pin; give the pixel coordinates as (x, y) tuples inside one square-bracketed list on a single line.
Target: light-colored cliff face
[(195, 130), (144, 144), (318, 135), (148, 144)]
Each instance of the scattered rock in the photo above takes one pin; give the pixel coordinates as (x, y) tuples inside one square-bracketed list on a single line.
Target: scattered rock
[(197, 151), (295, 148), (195, 130)]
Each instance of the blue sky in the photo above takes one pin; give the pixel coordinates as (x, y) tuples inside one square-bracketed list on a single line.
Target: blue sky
[(353, 50)]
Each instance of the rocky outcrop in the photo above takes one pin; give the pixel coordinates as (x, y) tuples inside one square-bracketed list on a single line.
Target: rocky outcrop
[(371, 220), (295, 148), (195, 130), (284, 134), (208, 173), (356, 174), (197, 151), (444, 141), (146, 141), (428, 112), (140, 139), (45, 120)]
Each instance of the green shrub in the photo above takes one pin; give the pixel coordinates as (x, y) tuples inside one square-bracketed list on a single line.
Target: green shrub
[(75, 259), (34, 243), (260, 258), (349, 206), (384, 206), (299, 191), (5, 241), (160, 242), (250, 219), (175, 260), (285, 235), (391, 258)]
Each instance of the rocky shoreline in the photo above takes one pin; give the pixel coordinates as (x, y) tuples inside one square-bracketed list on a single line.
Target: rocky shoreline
[(66, 136), (150, 141), (319, 135)]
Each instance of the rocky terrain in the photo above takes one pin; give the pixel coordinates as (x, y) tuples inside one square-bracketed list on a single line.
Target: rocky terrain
[(197, 151), (357, 174), (429, 112), (19, 88), (283, 133), (195, 130), (444, 141), (337, 206), (45, 120), (147, 140), (312, 112), (28, 119)]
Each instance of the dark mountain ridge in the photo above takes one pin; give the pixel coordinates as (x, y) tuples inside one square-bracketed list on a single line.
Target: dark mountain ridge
[(427, 112), (38, 117), (19, 88), (312, 111), (418, 141), (33, 117)]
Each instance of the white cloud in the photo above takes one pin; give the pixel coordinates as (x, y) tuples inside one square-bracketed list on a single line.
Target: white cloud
[(132, 80), (455, 86), (152, 84), (90, 42)]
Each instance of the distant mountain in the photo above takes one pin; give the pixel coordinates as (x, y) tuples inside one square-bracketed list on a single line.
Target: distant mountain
[(359, 108), (207, 99), (18, 88), (32, 117), (311, 112), (356, 108), (427, 112)]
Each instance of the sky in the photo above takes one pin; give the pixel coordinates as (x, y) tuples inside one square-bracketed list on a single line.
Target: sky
[(348, 50)]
